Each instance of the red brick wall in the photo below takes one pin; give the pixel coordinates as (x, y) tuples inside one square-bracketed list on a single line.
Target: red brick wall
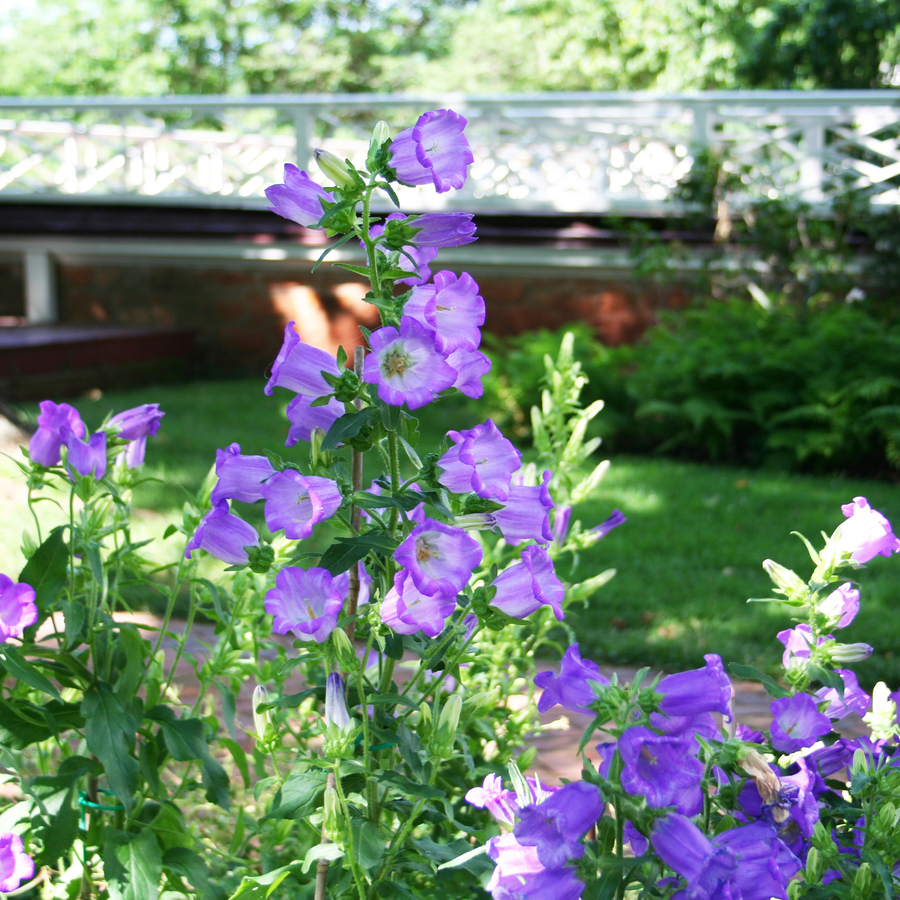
[(240, 312)]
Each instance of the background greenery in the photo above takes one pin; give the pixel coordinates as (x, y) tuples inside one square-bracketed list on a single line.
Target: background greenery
[(688, 557), (134, 47)]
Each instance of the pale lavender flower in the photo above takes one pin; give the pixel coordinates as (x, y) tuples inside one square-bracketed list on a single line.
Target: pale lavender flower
[(18, 609), (492, 796), (305, 418), (407, 610), (707, 689), (407, 365), (481, 460), (663, 768), (342, 585), (16, 865), (571, 689), (472, 366), (297, 502), (85, 457), (46, 441), (299, 366), (299, 198), (434, 151), (412, 259), (336, 713), (305, 602), (223, 535), (443, 229), (240, 477), (561, 525), (452, 308), (797, 723), (555, 826), (519, 874), (797, 643), (841, 606), (528, 584), (606, 526), (439, 558), (140, 422), (526, 513), (866, 532), (133, 454)]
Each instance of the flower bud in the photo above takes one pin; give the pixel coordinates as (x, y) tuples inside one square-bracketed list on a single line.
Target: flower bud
[(380, 133), (886, 818), (882, 717), (445, 732), (29, 545), (331, 814), (335, 169), (425, 725), (863, 880), (814, 868), (343, 650), (848, 653), (340, 729), (261, 720), (785, 579), (316, 436)]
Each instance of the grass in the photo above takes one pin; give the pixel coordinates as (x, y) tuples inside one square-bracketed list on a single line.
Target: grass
[(687, 559)]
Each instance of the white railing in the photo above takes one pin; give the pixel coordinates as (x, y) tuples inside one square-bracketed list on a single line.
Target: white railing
[(585, 152)]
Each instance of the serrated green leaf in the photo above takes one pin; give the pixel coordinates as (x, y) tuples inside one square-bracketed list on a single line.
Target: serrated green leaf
[(462, 859), (189, 865), (21, 668), (407, 787), (751, 673), (47, 571), (344, 552), (368, 842), (109, 731), (299, 796), (393, 699), (330, 852), (132, 864), (347, 426)]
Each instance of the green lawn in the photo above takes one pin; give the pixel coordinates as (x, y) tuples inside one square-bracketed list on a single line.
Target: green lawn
[(687, 559)]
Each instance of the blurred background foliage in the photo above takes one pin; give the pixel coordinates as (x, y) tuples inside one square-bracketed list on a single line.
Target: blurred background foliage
[(153, 47)]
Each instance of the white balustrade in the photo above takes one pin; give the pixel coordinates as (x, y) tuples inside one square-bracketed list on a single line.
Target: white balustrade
[(543, 153)]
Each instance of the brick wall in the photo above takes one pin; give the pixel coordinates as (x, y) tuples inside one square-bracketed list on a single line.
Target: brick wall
[(240, 310)]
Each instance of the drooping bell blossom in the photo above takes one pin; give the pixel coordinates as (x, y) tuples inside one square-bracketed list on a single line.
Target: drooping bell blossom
[(85, 457), (434, 151), (305, 602), (797, 723), (707, 689), (841, 606), (766, 863), (472, 366), (299, 366), (407, 610), (866, 533), (437, 229), (133, 454), (805, 810), (336, 713), (571, 689), (855, 699), (240, 477), (18, 609), (16, 866), (342, 585), (452, 308), (528, 584), (833, 758), (561, 525), (47, 440), (407, 365), (305, 418), (607, 525), (526, 513), (413, 259), (519, 874), (750, 735), (299, 198), (439, 558), (632, 836), (481, 460), (850, 653), (223, 535), (297, 502), (142, 421), (555, 826), (797, 643), (492, 796), (702, 724), (662, 768)]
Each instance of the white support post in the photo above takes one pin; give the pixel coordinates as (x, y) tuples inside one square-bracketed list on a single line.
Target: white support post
[(40, 287), (811, 167), (304, 130)]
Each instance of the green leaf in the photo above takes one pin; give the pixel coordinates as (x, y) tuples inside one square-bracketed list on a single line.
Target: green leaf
[(132, 864), (368, 842), (291, 700), (186, 740), (299, 796), (408, 788), (750, 673), (23, 723), (55, 794), (393, 699), (349, 425), (74, 615), (135, 649), (25, 671), (334, 246), (261, 887), (357, 270), (47, 570), (827, 677), (462, 859), (406, 500), (344, 552), (109, 731), (239, 757), (189, 865), (330, 852)]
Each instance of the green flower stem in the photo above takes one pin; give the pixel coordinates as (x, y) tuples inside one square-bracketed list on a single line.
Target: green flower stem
[(369, 243), (620, 845), (354, 868), (395, 477), (170, 607)]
